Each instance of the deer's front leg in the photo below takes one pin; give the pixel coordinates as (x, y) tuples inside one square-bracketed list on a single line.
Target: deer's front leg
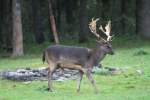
[(90, 77), (99, 66), (79, 80)]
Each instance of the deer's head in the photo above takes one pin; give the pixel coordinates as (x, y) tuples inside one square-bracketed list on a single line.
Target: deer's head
[(104, 44)]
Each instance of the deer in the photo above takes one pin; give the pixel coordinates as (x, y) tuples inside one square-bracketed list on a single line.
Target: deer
[(79, 58)]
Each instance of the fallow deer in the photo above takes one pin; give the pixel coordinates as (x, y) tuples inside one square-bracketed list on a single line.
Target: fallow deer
[(79, 58)]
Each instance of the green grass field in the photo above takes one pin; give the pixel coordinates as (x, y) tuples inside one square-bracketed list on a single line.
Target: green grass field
[(129, 53)]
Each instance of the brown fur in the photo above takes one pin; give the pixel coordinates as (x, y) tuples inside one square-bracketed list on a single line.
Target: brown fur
[(79, 58)]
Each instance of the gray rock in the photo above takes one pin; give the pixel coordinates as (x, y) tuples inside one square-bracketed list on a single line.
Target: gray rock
[(21, 71), (140, 72), (38, 74), (67, 75), (61, 79)]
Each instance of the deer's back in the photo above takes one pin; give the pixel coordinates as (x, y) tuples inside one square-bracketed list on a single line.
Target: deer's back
[(68, 54)]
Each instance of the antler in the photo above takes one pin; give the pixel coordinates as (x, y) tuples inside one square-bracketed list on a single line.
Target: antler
[(92, 26), (107, 31)]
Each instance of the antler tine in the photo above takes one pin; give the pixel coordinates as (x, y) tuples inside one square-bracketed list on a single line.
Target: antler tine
[(107, 30), (92, 26)]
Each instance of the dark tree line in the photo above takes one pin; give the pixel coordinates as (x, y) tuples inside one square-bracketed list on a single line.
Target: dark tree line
[(23, 21)]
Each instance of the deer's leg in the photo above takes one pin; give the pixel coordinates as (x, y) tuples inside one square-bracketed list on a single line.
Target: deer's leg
[(49, 81), (99, 66), (79, 80), (50, 73), (61, 71), (90, 77)]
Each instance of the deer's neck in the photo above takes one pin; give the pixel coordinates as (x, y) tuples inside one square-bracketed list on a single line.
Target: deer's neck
[(97, 56)]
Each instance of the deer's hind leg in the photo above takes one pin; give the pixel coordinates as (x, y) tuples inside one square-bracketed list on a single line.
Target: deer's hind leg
[(79, 80), (52, 67)]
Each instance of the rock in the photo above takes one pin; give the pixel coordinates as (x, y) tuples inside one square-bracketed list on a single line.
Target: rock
[(35, 70), (21, 71), (74, 77), (43, 68), (38, 74), (61, 79), (67, 75), (0, 74), (140, 72), (95, 69), (27, 82), (59, 75), (55, 76), (115, 72)]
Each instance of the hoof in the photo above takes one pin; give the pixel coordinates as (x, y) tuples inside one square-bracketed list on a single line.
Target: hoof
[(78, 91), (96, 92), (50, 90)]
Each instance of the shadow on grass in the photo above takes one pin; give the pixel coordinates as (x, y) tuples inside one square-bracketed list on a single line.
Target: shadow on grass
[(43, 89)]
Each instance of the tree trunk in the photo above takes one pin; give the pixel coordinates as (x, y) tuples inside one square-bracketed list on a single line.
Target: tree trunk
[(9, 26), (143, 18), (99, 8), (37, 21), (6, 24), (71, 4), (124, 12), (116, 16), (83, 20), (1, 14), (17, 29), (106, 9), (52, 22)]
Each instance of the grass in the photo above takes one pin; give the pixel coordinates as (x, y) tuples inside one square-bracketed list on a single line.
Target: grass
[(129, 53)]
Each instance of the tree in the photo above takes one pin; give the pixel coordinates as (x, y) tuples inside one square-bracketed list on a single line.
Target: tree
[(17, 29), (1, 14), (106, 9), (6, 24), (83, 20), (124, 14), (61, 18), (99, 8), (37, 21), (143, 18), (116, 16), (52, 22)]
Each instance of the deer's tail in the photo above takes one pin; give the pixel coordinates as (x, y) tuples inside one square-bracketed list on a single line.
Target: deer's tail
[(43, 58)]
